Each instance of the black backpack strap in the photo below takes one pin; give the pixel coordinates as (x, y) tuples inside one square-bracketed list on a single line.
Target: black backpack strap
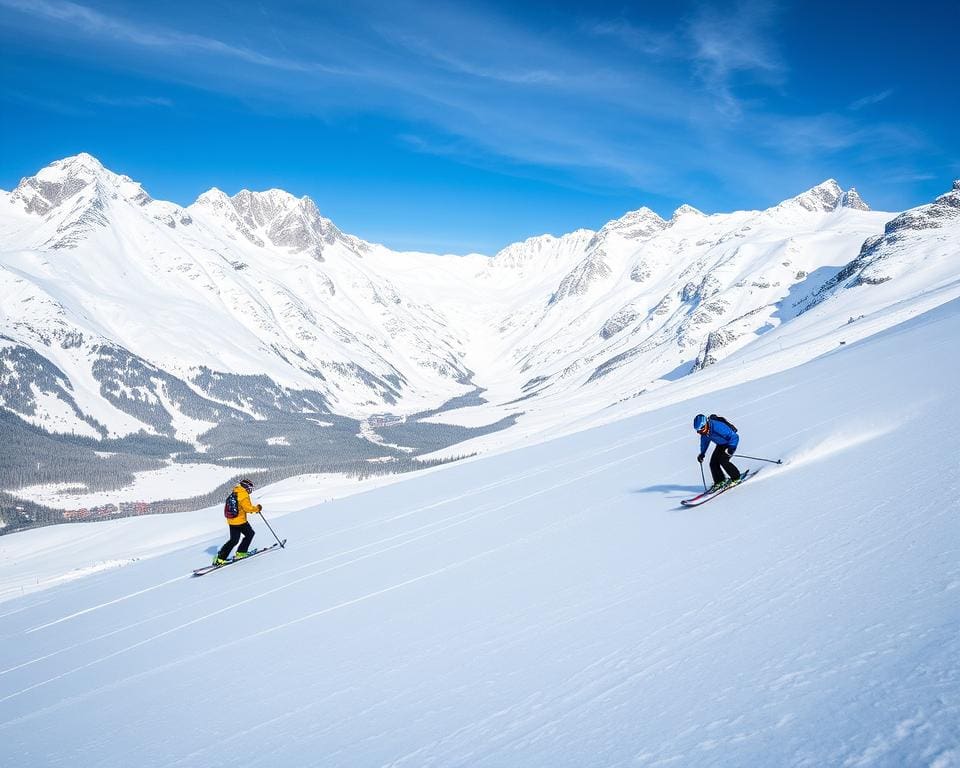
[(714, 417)]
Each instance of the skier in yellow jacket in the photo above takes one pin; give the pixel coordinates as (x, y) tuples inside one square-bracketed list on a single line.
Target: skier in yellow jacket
[(236, 509)]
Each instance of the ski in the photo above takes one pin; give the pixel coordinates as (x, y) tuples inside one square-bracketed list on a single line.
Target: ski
[(230, 561), (704, 497)]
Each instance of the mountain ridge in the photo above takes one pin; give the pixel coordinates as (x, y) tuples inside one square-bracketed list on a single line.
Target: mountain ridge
[(241, 302)]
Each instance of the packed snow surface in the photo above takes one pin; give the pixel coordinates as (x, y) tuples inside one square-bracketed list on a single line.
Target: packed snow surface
[(548, 606)]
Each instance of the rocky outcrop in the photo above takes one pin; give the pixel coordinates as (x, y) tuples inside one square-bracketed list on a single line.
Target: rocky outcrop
[(588, 273), (851, 199), (711, 353), (618, 322), (886, 256)]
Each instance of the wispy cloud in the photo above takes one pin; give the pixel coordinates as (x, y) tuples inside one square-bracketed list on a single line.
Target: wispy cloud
[(810, 134), (82, 19), (458, 64), (870, 100), (56, 106), (730, 43), (647, 41), (131, 102), (902, 176)]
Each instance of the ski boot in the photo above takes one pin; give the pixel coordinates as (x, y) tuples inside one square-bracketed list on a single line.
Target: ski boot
[(241, 555), (218, 561)]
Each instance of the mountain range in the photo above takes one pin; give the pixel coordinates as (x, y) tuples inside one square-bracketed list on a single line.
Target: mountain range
[(138, 326)]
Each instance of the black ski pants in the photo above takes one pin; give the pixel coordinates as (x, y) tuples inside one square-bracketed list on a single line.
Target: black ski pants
[(236, 531), (720, 462)]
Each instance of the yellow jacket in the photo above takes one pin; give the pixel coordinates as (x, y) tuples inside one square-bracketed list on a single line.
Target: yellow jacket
[(244, 506)]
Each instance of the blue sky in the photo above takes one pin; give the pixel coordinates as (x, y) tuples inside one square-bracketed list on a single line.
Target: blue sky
[(463, 127)]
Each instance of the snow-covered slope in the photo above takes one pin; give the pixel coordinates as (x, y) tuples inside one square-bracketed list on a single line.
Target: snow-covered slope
[(920, 249), (762, 290), (236, 286), (100, 278), (663, 299), (547, 606)]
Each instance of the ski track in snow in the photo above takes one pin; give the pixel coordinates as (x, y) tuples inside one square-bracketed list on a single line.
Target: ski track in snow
[(431, 528), (456, 520), (28, 607), (435, 527), (376, 523), (101, 605)]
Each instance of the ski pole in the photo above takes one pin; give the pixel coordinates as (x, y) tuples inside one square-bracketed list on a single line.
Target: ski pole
[(271, 530), (757, 458), (703, 477)]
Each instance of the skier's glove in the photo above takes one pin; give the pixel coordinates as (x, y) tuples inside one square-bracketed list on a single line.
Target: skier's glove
[(701, 457), (731, 449), (259, 507)]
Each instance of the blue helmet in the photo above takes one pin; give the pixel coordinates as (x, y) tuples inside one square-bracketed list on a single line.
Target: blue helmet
[(699, 421)]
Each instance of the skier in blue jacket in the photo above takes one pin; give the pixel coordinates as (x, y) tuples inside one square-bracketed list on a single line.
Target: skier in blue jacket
[(720, 431)]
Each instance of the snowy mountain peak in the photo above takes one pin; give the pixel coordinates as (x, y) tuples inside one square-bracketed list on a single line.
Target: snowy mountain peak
[(685, 210), (524, 250), (951, 198), (852, 199), (63, 179), (822, 198), (636, 224), (918, 242), (213, 198), (83, 161), (542, 250), (277, 218), (259, 209)]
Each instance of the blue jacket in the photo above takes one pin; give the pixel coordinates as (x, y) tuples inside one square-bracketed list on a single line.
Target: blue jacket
[(721, 434)]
